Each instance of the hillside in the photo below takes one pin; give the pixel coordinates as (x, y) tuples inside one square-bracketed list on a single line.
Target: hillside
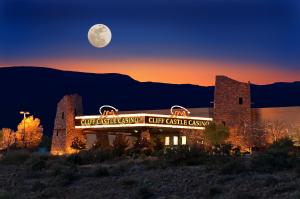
[(39, 89)]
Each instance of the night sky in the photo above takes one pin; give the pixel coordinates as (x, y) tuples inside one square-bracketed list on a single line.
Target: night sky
[(187, 41)]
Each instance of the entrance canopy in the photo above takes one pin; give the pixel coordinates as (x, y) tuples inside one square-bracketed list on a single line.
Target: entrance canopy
[(140, 120)]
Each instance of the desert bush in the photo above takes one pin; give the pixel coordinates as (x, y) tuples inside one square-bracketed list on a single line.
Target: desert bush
[(66, 175), (15, 157), (120, 143), (38, 186), (83, 157), (120, 168), (129, 182), (101, 155), (284, 145), (155, 164), (277, 157), (37, 162), (90, 157), (184, 155), (234, 166), (268, 162), (244, 195), (222, 149), (5, 195), (157, 143), (144, 193), (100, 171), (142, 147), (214, 191)]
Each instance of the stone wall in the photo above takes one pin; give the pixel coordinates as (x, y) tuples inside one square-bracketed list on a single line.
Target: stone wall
[(232, 104), (64, 125)]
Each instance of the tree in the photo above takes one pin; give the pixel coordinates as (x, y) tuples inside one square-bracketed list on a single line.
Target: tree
[(215, 134), (120, 143), (33, 134), (78, 144), (276, 130), (8, 138)]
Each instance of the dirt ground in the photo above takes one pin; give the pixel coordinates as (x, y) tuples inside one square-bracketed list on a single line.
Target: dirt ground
[(142, 180)]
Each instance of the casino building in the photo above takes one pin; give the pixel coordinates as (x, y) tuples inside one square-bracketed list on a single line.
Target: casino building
[(174, 126)]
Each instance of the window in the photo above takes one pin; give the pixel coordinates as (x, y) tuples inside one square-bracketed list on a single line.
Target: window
[(183, 140), (62, 115), (167, 141), (56, 133), (175, 140), (240, 100), (224, 123)]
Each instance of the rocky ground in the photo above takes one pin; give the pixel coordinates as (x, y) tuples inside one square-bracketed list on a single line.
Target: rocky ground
[(141, 179)]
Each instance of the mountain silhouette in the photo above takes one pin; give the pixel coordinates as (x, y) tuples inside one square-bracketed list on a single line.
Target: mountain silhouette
[(38, 90)]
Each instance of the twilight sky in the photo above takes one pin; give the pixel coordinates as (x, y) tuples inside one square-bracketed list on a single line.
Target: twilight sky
[(179, 41)]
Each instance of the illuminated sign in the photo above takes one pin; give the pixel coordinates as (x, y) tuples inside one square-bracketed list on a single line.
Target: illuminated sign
[(176, 121), (141, 120), (112, 111), (107, 121), (182, 112)]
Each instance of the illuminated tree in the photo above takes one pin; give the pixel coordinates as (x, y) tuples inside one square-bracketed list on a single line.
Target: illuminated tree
[(8, 138), (215, 134), (275, 130), (78, 144), (248, 136), (30, 133)]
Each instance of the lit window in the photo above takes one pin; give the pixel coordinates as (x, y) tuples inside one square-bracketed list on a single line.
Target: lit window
[(183, 140), (167, 141), (175, 140)]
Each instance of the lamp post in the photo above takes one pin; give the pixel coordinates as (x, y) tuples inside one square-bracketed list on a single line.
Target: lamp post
[(24, 113)]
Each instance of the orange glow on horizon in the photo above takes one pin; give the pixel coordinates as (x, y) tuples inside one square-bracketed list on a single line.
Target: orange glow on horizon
[(178, 71)]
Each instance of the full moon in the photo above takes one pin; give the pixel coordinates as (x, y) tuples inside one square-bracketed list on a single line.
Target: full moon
[(99, 35)]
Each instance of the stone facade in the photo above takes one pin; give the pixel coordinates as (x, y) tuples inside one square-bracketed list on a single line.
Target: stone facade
[(232, 104), (64, 125)]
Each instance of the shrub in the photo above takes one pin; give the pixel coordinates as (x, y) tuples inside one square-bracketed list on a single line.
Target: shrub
[(284, 145), (234, 166), (78, 144), (37, 162), (215, 134), (101, 155), (120, 143), (120, 168), (15, 157), (142, 146), (101, 171), (144, 193), (184, 155), (213, 191), (5, 195), (158, 144), (129, 182), (155, 164), (268, 162), (67, 175), (277, 157), (90, 157)]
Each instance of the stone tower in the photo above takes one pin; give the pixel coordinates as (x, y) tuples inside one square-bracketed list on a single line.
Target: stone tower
[(232, 104), (64, 125)]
